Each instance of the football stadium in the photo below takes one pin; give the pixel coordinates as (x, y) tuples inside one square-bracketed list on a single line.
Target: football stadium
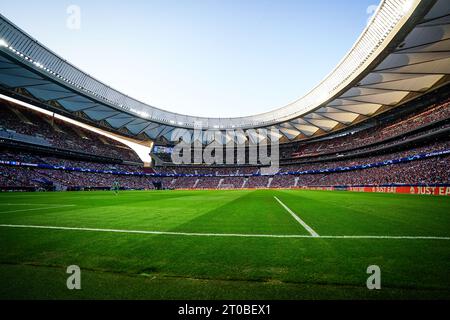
[(342, 194)]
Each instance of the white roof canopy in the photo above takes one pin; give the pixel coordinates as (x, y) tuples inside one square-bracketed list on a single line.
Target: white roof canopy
[(403, 53)]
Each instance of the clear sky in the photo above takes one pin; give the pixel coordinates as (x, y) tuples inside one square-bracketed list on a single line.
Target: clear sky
[(214, 58)]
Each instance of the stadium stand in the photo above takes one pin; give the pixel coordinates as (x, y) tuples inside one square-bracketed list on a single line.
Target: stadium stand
[(41, 153), (60, 174), (400, 128), (39, 129)]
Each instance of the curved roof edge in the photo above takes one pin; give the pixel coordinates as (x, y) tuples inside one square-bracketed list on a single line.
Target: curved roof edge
[(389, 19)]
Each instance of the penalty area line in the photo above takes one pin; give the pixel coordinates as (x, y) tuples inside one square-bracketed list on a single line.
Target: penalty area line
[(220, 235), (297, 218)]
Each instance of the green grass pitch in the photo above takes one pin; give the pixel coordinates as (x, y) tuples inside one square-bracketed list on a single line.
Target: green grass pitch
[(206, 249)]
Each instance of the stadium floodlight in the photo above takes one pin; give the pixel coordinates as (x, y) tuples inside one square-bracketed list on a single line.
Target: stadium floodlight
[(3, 43)]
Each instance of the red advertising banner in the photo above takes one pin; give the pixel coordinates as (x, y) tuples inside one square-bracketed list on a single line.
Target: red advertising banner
[(420, 190)]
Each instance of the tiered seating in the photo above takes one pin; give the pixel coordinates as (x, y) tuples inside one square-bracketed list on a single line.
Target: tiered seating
[(354, 150), (379, 133), (61, 135)]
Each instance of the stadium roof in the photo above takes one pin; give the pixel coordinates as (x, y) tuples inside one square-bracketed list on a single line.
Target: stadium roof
[(403, 53)]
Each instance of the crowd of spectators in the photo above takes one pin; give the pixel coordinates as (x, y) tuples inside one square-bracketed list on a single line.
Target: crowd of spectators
[(382, 132), (208, 170), (435, 170), (208, 183), (436, 146), (180, 183), (233, 171), (428, 171), (12, 176), (427, 120), (19, 177), (205, 170), (232, 183), (27, 157), (62, 135), (257, 182)]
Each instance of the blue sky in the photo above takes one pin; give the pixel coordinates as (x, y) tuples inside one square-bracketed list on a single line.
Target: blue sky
[(201, 57)]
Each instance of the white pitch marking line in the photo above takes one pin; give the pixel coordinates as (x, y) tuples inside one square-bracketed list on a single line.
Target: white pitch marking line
[(296, 217), (34, 204), (221, 234), (40, 208)]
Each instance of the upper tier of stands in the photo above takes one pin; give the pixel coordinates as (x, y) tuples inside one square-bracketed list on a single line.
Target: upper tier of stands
[(385, 131)]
